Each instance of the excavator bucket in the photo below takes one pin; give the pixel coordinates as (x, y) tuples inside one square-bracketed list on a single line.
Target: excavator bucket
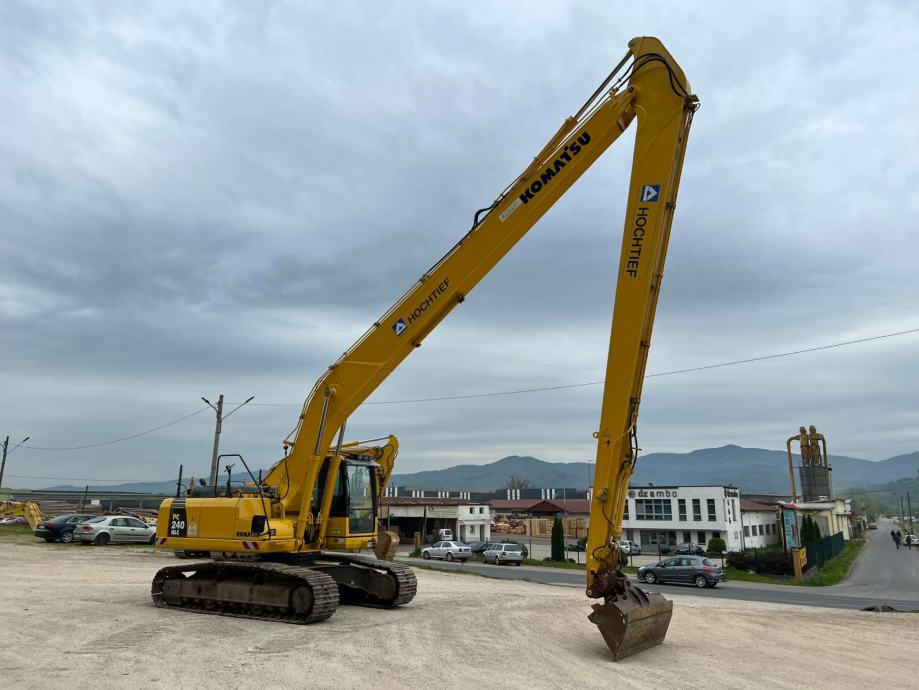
[(385, 547), (636, 621)]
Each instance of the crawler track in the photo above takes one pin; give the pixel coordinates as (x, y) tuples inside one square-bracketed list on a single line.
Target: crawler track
[(400, 582), (263, 591)]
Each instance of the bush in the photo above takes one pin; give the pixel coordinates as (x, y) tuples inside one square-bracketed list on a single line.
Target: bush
[(558, 540), (770, 561), (416, 553), (717, 546), (623, 560), (665, 551)]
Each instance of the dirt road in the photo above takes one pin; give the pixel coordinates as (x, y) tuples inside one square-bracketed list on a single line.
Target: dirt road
[(81, 617)]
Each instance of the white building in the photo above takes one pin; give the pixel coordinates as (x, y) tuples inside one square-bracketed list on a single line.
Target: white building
[(761, 525), (469, 520), (670, 515)]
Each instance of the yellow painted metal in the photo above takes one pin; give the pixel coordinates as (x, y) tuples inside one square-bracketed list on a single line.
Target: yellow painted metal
[(223, 524), (28, 509)]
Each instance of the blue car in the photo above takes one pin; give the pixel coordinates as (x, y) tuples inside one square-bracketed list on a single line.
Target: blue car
[(61, 528)]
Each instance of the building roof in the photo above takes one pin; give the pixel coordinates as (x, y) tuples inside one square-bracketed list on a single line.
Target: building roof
[(517, 504), (540, 505), (747, 506), (409, 501)]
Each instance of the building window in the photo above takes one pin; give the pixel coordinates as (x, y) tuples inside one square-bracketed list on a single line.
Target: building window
[(687, 536), (653, 509), (625, 512), (681, 506), (481, 510), (746, 530), (696, 510), (711, 510), (702, 536)]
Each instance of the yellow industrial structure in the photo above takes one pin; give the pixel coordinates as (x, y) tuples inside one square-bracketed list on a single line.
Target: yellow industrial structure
[(815, 470), (28, 509), (286, 542)]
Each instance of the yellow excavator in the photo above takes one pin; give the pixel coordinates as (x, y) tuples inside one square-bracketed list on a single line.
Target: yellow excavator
[(27, 509), (286, 545)]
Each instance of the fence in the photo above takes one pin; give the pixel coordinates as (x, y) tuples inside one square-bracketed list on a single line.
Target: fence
[(822, 550)]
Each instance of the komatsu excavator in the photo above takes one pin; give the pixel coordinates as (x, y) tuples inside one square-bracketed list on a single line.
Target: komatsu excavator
[(27, 509), (286, 544)]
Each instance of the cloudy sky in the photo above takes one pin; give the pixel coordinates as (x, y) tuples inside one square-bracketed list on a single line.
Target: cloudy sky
[(221, 199)]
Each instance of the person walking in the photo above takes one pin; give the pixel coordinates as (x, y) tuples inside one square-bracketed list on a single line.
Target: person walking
[(893, 536), (898, 538)]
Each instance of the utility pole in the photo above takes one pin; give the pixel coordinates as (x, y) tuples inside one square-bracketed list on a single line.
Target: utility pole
[(909, 512), (218, 408), (6, 451)]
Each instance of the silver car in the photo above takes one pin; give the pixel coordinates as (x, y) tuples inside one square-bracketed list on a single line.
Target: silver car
[(630, 548), (449, 550), (503, 553), (114, 529)]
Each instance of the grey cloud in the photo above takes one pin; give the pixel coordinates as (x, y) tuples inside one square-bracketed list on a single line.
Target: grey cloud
[(223, 197)]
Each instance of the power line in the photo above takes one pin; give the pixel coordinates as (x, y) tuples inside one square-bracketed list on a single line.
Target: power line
[(118, 440), (493, 394), (719, 365), (75, 479)]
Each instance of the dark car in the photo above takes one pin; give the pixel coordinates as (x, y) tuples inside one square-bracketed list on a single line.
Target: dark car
[(697, 570), (60, 528), (687, 549), (478, 547)]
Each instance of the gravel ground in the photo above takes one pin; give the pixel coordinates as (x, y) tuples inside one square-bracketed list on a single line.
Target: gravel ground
[(81, 617)]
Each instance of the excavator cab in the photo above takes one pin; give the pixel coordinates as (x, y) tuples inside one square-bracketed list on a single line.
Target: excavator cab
[(354, 511)]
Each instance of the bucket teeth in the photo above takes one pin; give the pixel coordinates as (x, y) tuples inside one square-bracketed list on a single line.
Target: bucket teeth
[(634, 622)]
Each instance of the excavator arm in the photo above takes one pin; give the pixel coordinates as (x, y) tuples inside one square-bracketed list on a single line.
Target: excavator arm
[(652, 89)]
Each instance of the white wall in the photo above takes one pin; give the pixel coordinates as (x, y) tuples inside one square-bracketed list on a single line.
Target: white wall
[(761, 528), (725, 522), (474, 522)]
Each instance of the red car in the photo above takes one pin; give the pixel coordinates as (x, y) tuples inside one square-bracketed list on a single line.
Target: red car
[(872, 525)]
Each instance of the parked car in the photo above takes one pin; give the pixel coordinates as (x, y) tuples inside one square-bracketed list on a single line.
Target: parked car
[(441, 535), (14, 520), (449, 550), (477, 547), (910, 539), (61, 527), (114, 529), (504, 553), (686, 549), (872, 525), (629, 548), (698, 570)]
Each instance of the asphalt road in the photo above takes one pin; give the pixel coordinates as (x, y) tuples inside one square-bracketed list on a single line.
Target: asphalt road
[(881, 575)]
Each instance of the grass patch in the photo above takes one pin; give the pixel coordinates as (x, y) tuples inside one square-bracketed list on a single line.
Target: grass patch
[(564, 565), (835, 570), (17, 534), (743, 576)]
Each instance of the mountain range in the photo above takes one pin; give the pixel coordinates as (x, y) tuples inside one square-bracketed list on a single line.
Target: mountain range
[(754, 470)]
